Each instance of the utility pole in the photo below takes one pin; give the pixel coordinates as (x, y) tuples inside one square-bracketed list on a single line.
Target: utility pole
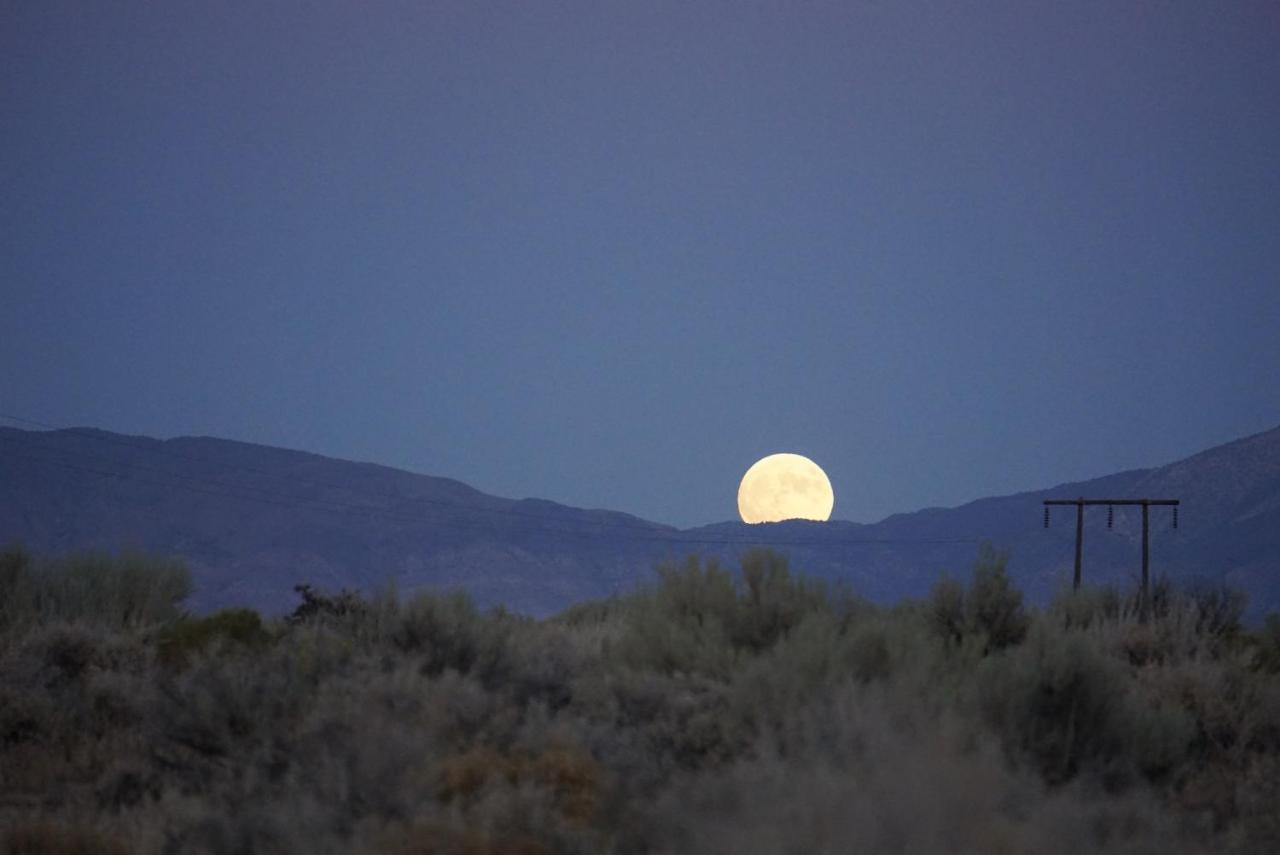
[(1111, 503)]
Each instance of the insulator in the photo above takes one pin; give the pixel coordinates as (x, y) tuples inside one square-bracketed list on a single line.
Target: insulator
[(1175, 516), (1046, 516), (1111, 515)]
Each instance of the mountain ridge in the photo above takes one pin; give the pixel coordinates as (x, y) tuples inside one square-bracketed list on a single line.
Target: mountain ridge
[(253, 520)]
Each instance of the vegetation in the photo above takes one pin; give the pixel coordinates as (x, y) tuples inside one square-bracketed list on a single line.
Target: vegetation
[(713, 712)]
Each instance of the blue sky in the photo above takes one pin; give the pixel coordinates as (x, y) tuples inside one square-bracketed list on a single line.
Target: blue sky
[(612, 253)]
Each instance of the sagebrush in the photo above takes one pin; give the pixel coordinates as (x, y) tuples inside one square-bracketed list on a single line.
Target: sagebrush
[(714, 711)]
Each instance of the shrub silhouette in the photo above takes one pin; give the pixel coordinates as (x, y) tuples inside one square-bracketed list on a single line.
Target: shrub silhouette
[(315, 605), (237, 628), (1091, 605), (993, 606), (1061, 700), (945, 609), (121, 591), (746, 710), (50, 837), (773, 602), (1266, 643), (990, 611), (698, 620)]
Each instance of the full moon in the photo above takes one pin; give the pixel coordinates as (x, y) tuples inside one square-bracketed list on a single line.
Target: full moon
[(785, 487)]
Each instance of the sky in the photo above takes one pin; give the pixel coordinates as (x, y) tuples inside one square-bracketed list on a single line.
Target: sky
[(611, 253)]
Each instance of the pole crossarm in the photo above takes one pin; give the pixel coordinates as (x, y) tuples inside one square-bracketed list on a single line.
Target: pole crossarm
[(1112, 501)]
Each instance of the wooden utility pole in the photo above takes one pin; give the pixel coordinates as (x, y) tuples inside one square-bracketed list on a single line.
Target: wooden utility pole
[(1075, 576), (1111, 503)]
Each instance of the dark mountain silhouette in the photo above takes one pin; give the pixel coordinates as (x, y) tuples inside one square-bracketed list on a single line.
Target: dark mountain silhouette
[(253, 521)]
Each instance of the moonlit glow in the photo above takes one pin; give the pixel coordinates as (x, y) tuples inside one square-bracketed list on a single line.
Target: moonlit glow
[(785, 487)]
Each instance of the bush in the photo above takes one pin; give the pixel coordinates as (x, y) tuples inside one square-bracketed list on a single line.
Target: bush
[(990, 612), (125, 591), (697, 620), (318, 606), (40, 836), (711, 712), (15, 572), (773, 602), (993, 606), (683, 625), (445, 631), (236, 628), (862, 771), (1089, 606), (1266, 644), (945, 613), (1061, 701), (1218, 609)]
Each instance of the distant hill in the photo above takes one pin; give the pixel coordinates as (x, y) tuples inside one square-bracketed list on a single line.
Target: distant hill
[(252, 521)]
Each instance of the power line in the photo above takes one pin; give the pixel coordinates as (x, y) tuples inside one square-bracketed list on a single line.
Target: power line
[(219, 489), (1146, 504)]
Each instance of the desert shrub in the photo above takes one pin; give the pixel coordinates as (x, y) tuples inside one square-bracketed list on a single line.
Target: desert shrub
[(592, 613), (68, 651), (1180, 623), (123, 591), (867, 771), (59, 654), (1065, 704), (1089, 606), (56, 836), (540, 663), (697, 593), (1210, 611), (240, 629), (711, 712), (645, 725), (1053, 700), (684, 624), (697, 620), (820, 656), (1236, 716), (989, 614), (218, 707), (318, 606), (944, 609), (569, 775), (399, 755), (71, 695), (772, 602), (438, 630), (26, 717), (867, 652), (368, 744), (1266, 645), (16, 585), (439, 837), (446, 631), (33, 734), (993, 606), (1218, 609), (1257, 821)]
